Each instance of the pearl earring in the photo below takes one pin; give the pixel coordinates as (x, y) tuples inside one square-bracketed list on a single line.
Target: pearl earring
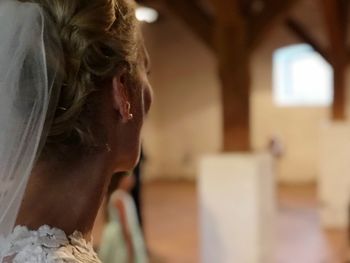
[(128, 108)]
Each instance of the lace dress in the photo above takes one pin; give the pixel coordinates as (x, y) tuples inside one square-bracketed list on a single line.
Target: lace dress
[(46, 245)]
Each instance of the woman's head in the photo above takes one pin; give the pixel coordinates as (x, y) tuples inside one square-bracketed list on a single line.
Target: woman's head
[(105, 91)]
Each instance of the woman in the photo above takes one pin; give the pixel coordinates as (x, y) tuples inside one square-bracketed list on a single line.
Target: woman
[(73, 96)]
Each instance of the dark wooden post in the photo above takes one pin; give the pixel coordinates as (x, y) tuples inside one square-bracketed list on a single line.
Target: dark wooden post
[(239, 30), (233, 56), (236, 29), (234, 71)]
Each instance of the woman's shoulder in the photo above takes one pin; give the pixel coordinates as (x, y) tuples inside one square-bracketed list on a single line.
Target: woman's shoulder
[(46, 245)]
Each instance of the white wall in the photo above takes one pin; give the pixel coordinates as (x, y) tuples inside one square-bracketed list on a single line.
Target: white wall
[(186, 122), (298, 127)]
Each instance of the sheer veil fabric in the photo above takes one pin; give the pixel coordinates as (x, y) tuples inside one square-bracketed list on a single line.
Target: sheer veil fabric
[(29, 87)]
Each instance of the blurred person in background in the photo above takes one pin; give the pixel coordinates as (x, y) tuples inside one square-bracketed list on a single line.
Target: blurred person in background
[(122, 240), (275, 147), (136, 191)]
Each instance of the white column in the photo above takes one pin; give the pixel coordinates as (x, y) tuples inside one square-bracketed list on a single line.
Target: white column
[(237, 208), (334, 174)]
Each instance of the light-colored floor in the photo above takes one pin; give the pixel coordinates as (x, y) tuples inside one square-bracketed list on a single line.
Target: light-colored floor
[(170, 211)]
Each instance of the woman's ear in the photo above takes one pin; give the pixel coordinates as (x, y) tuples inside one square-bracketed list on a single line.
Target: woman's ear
[(121, 101)]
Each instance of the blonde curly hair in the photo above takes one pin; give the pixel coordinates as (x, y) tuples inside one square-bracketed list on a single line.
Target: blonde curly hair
[(98, 37)]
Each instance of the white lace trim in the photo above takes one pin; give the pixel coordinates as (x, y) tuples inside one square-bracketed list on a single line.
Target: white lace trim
[(45, 245)]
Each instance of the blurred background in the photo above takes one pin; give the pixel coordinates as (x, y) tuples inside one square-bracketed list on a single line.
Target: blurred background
[(247, 146)]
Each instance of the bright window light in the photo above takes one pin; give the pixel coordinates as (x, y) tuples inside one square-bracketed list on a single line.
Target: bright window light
[(146, 14), (301, 77)]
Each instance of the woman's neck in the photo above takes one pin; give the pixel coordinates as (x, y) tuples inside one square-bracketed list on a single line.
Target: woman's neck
[(66, 196)]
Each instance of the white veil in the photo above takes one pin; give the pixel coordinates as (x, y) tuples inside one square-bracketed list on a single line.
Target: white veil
[(29, 60)]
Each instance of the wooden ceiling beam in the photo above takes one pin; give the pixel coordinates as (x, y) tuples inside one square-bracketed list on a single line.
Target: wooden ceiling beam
[(300, 31), (344, 15), (197, 20), (246, 8), (336, 27), (262, 23), (228, 12), (345, 20), (335, 19)]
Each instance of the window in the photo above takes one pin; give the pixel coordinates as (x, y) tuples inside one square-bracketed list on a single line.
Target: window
[(301, 77)]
